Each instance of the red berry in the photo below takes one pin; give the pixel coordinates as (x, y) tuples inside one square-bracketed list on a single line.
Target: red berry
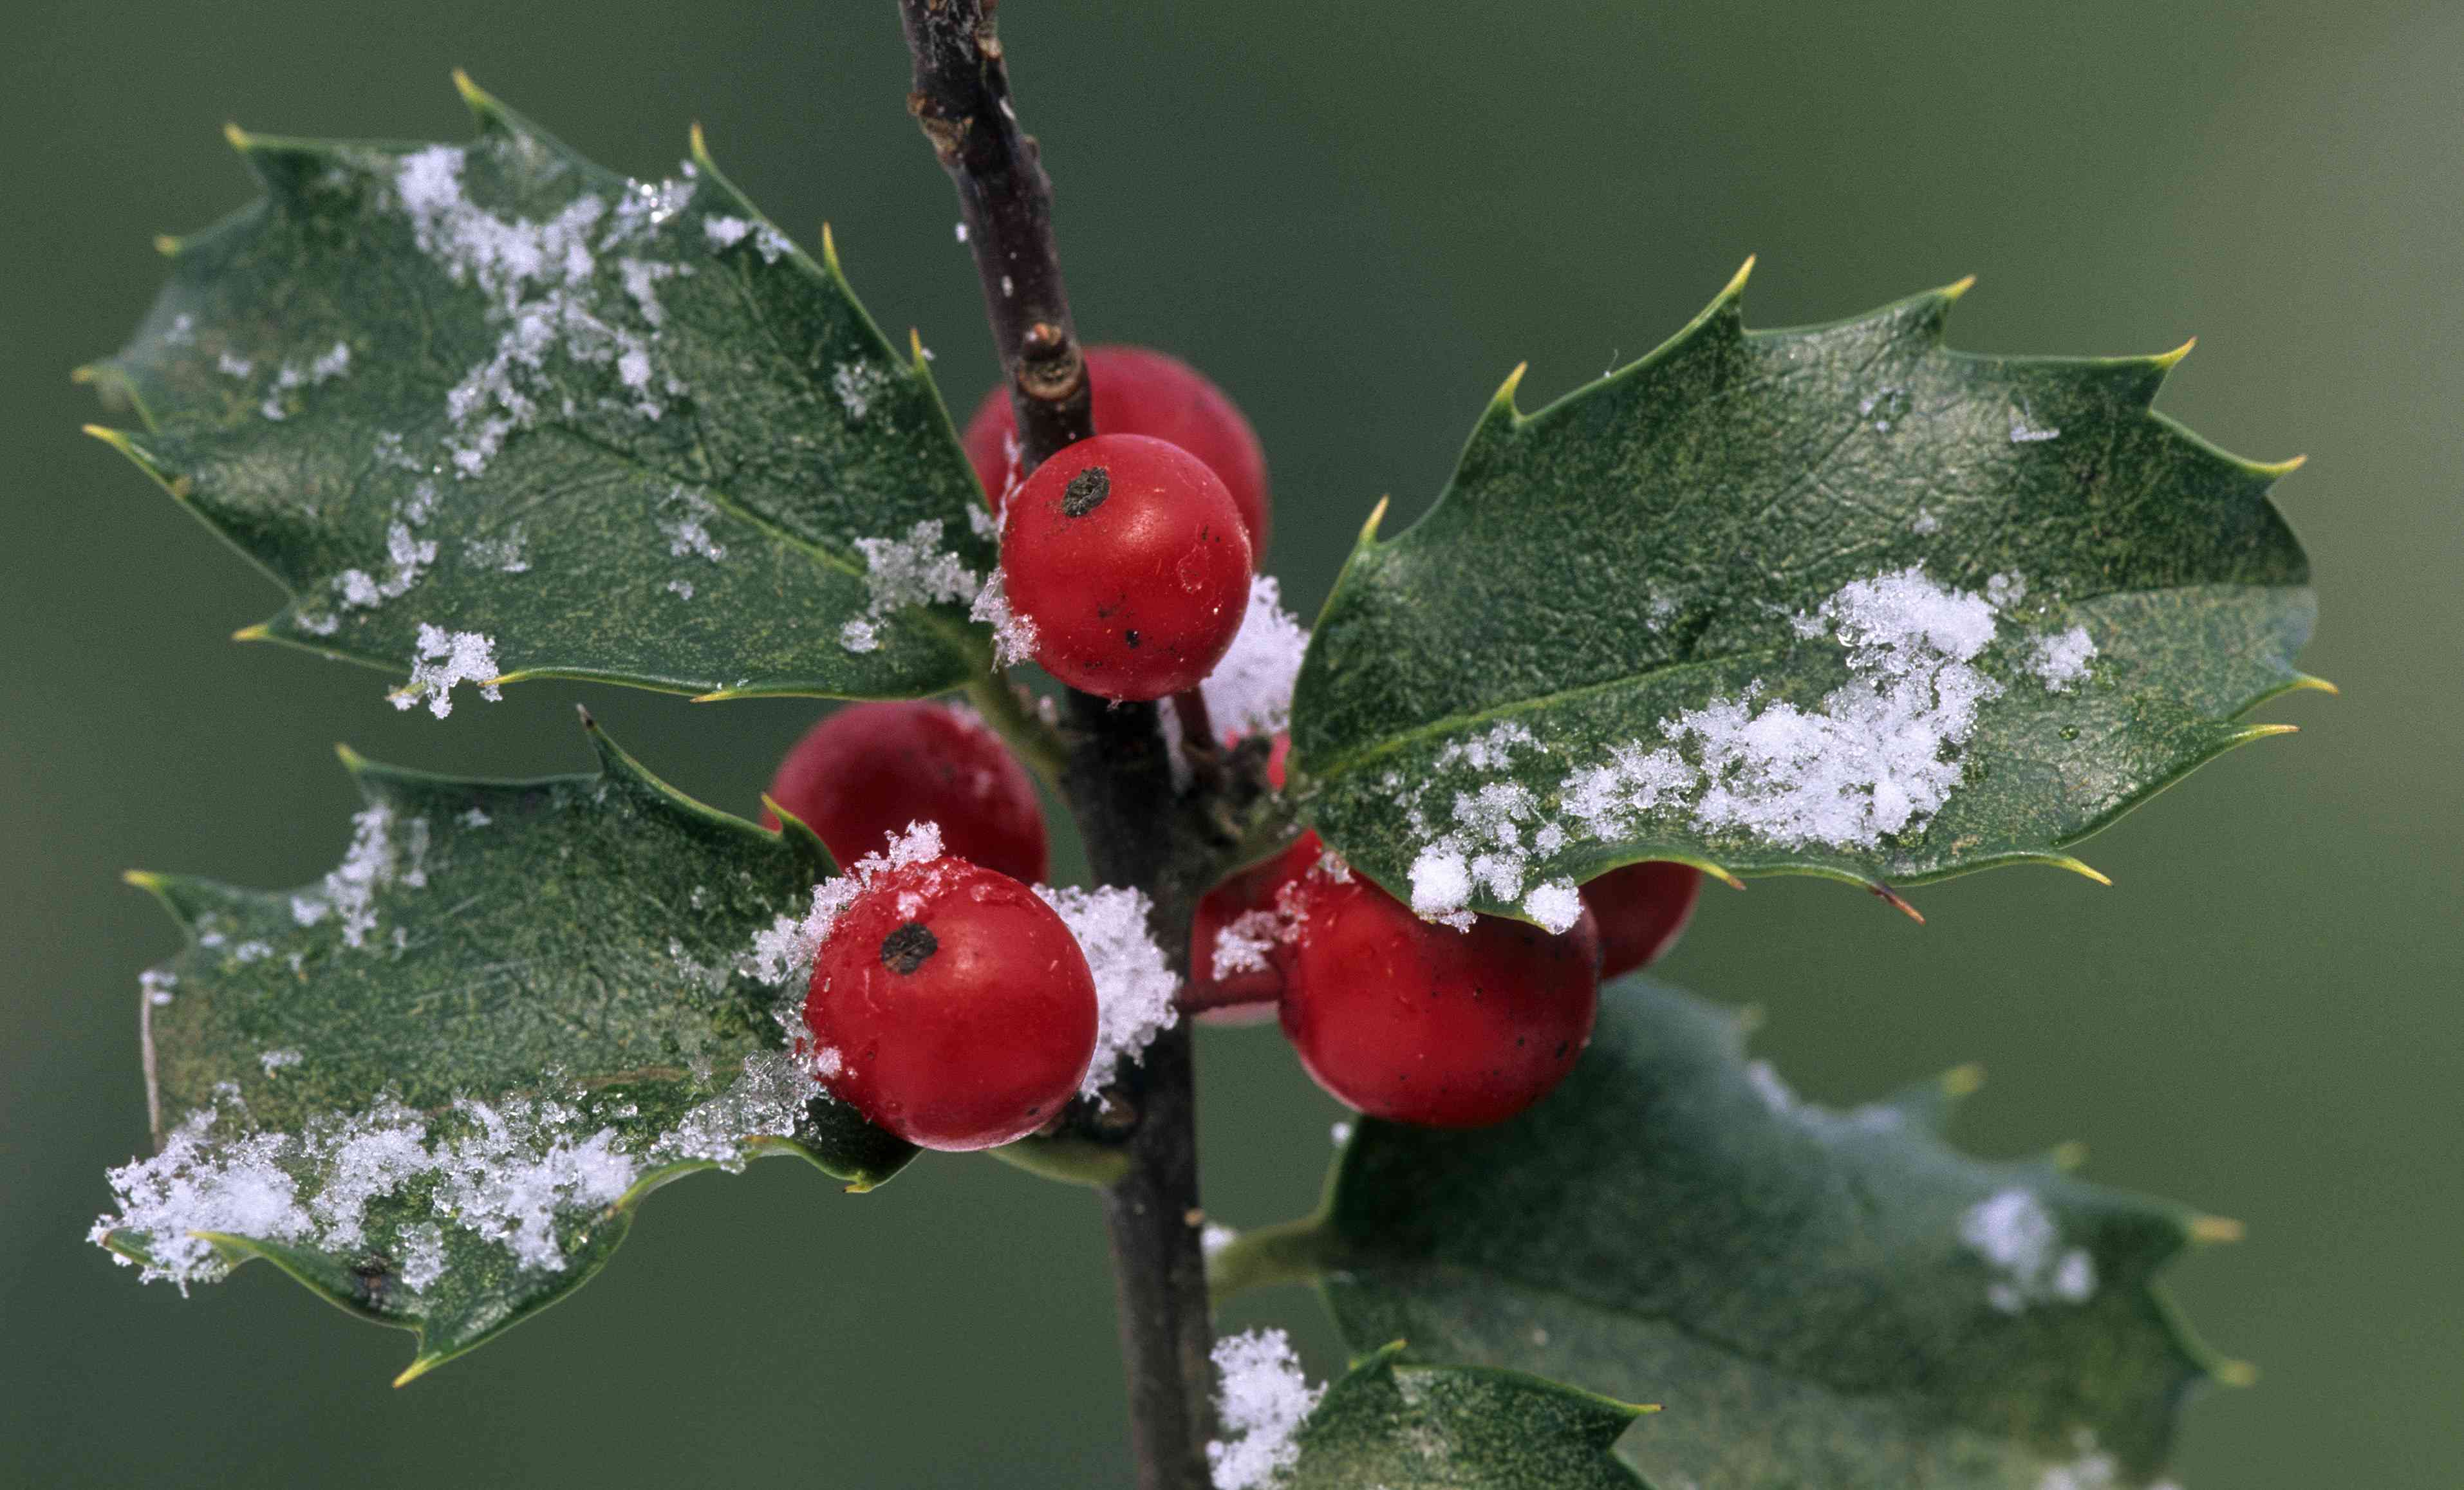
[(951, 1006), (869, 770), (1252, 903), (1423, 1023), (1640, 908), (1140, 391), (1126, 556)]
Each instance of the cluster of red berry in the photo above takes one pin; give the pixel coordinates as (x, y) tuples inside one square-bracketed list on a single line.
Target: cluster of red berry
[(951, 1005)]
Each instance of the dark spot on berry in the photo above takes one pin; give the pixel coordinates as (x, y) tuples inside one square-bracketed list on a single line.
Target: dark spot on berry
[(904, 950), (1086, 492), (1130, 636), (1561, 1051)]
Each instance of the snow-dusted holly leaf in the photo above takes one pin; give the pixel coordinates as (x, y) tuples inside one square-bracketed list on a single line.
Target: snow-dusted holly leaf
[(433, 1085), (489, 409), (1833, 601), (1391, 1425), (1819, 1298)]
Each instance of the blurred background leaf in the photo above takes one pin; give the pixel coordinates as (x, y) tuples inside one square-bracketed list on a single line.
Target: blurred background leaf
[(1358, 228)]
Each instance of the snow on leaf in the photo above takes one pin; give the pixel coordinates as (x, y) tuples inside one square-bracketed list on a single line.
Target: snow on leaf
[(1794, 602), (437, 1107), (580, 404)]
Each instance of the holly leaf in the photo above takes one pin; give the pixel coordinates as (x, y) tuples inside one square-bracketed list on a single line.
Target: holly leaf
[(1833, 601), (433, 1085), (1817, 1298), (1391, 1425), (490, 412)]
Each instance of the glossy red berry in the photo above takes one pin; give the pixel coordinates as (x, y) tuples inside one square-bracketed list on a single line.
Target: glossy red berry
[(1126, 556), (1423, 1023), (1141, 391), (1641, 909), (868, 770), (951, 1005)]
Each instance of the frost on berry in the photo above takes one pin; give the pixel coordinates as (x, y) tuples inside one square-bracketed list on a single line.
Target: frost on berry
[(1251, 690), (782, 954), (1134, 989), (1262, 1401)]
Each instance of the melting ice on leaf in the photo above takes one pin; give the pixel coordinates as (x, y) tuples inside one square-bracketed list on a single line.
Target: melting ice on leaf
[(1831, 601), (487, 410), (1815, 1297), (433, 1085)]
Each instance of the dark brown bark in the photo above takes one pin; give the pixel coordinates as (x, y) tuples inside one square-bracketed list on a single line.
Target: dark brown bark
[(1118, 778)]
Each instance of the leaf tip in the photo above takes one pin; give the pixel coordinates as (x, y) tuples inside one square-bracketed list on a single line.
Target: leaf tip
[(352, 760), (418, 1369), (2166, 361), (81, 375), (2083, 870), (2067, 1157), (1504, 395), (166, 245), (1893, 899), (915, 352), (1369, 529), (259, 632), (2262, 731), (698, 145), (830, 251), (2213, 1231), (145, 880), (2235, 1373), (1964, 1080), (1736, 285), (1958, 286), (2305, 683), (240, 139)]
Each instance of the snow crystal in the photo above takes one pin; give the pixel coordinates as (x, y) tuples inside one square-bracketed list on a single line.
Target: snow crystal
[(157, 985), (537, 281), (726, 232), (2093, 1469), (2013, 1232), (332, 363), (1242, 944), (2060, 661), (1483, 849), (2002, 591), (197, 1185), (1878, 758), (422, 1256), (1925, 524), (1214, 1236), (444, 659), (502, 553), (1341, 1134), (683, 589), (234, 367), (1492, 748), (1262, 1401), (2021, 434), (409, 556), (857, 384), (767, 1101), (1556, 906), (1013, 634), (274, 1061), (1251, 690), (913, 570), (475, 818), (510, 1172), (1134, 988), (183, 330), (370, 864), (782, 954), (689, 534), (960, 229), (1441, 887)]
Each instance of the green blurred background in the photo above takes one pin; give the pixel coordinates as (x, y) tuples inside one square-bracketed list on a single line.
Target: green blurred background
[(1358, 217)]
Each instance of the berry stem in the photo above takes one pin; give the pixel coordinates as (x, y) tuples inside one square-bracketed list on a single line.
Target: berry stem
[(1116, 775)]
